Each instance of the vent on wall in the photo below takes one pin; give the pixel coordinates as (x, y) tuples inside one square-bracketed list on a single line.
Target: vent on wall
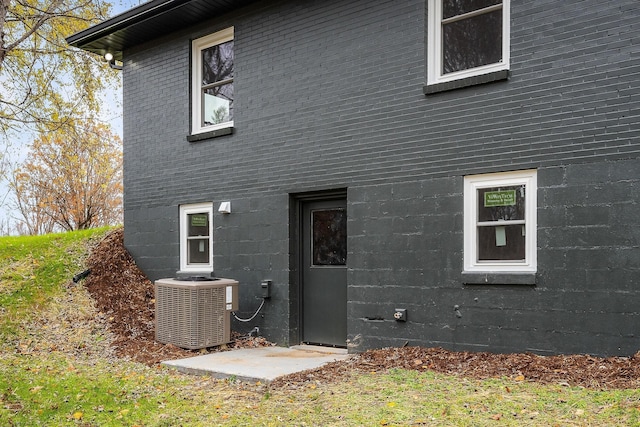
[(195, 314)]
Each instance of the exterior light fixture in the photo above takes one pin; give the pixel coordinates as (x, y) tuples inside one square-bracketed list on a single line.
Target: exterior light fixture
[(225, 207), (116, 65)]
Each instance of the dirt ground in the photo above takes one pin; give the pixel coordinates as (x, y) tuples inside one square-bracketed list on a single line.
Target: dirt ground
[(125, 296)]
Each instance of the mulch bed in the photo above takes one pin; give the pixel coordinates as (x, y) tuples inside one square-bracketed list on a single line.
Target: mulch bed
[(125, 295), (567, 370)]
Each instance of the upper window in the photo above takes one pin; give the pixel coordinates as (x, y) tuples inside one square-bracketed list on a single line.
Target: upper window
[(212, 82), (467, 38), (500, 222), (196, 237)]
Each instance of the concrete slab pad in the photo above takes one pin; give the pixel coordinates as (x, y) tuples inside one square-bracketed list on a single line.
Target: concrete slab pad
[(262, 364)]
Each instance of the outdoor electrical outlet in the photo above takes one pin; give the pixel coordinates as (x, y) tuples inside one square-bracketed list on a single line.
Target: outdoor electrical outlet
[(400, 314), (266, 288)]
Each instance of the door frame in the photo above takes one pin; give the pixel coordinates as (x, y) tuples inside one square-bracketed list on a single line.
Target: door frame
[(296, 202)]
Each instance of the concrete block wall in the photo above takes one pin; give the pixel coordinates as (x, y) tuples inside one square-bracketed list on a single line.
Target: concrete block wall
[(406, 252), (329, 95), (251, 245)]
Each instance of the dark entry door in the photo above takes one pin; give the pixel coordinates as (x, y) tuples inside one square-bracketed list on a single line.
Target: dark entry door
[(324, 272)]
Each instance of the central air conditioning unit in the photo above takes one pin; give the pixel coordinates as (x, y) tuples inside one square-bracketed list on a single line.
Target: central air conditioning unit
[(194, 312)]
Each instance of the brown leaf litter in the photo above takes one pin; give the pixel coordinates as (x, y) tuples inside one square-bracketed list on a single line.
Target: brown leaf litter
[(125, 297)]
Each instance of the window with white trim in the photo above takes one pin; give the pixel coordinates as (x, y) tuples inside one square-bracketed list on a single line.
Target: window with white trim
[(500, 222), (466, 38), (212, 82), (196, 237)]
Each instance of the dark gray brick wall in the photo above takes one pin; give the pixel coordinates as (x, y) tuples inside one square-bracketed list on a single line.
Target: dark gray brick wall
[(406, 252), (329, 95)]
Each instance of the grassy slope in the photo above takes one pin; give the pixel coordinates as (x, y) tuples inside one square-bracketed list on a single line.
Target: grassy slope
[(33, 269), (58, 388)]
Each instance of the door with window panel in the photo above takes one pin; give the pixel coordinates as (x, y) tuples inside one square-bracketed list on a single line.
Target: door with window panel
[(324, 281)]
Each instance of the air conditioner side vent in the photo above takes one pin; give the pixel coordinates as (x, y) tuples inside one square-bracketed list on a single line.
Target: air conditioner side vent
[(193, 315)]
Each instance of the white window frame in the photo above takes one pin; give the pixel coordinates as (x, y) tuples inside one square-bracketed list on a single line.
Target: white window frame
[(434, 47), (197, 46), (472, 184), (185, 211)]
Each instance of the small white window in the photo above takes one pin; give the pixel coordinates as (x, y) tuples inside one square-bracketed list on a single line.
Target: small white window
[(212, 82), (196, 237), (500, 222), (467, 38)]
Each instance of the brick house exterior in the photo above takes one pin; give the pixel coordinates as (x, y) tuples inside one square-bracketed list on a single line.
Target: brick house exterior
[(333, 102)]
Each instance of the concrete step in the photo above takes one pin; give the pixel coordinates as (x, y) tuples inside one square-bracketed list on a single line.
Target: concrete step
[(262, 364)]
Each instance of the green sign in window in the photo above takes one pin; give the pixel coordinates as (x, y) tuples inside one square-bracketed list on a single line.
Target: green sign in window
[(199, 220), (499, 198)]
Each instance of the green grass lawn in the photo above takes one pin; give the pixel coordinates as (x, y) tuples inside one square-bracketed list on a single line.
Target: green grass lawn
[(33, 269), (50, 387)]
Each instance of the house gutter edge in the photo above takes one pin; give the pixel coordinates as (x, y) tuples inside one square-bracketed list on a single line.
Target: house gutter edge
[(131, 17)]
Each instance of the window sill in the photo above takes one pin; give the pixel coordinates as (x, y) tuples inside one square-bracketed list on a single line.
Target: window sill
[(465, 82), (491, 278), (195, 273), (210, 134)]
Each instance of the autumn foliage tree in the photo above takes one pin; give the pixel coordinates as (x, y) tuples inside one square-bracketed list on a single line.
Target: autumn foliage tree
[(46, 83), (71, 180)]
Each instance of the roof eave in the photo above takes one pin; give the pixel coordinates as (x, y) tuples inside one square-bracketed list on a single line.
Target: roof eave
[(103, 30), (147, 21)]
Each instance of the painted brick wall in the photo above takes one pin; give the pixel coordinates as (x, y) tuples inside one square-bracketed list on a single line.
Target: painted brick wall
[(586, 295), (329, 95)]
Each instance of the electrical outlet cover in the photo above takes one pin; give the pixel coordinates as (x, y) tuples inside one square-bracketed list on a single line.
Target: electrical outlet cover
[(400, 314)]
